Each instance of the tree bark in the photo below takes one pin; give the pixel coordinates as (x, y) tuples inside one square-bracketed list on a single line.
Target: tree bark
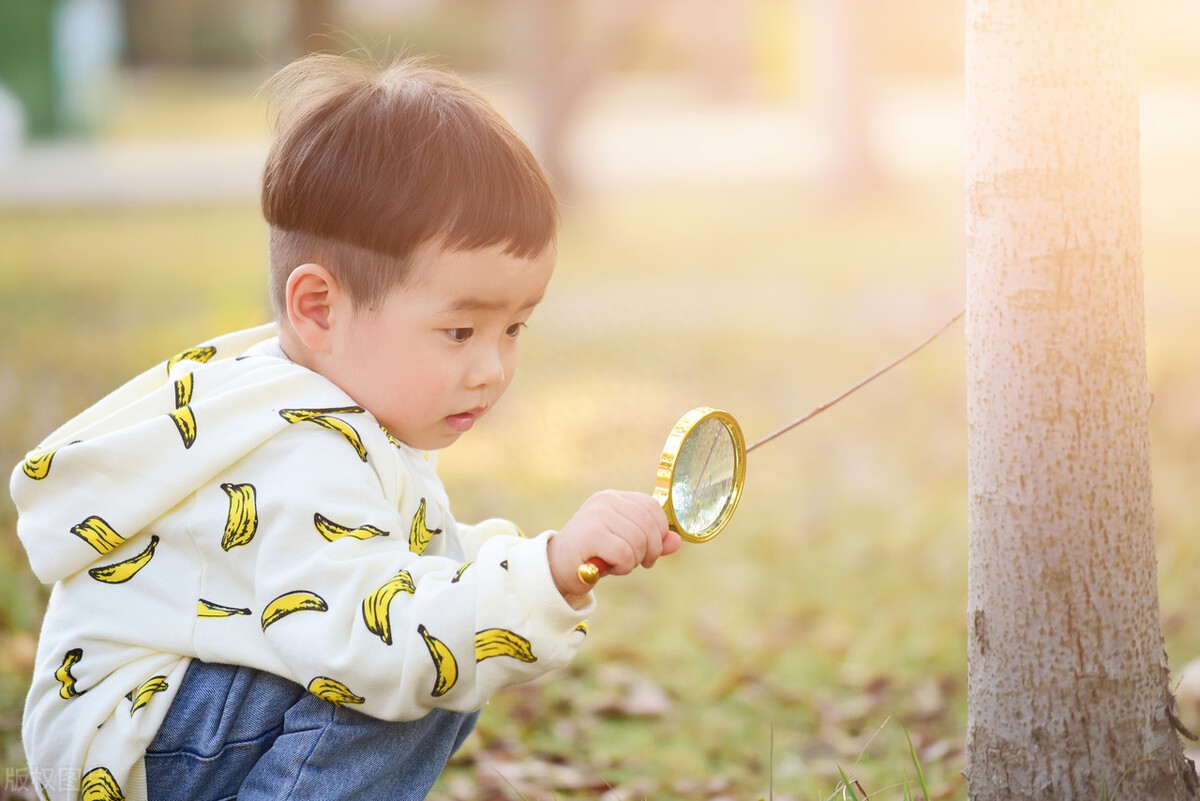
[(1068, 694)]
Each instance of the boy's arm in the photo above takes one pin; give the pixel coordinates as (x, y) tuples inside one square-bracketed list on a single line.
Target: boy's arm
[(363, 619), (624, 529)]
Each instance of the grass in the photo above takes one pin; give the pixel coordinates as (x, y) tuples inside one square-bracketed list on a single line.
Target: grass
[(834, 602)]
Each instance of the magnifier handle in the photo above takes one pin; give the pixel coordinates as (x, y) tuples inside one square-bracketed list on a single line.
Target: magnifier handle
[(591, 570)]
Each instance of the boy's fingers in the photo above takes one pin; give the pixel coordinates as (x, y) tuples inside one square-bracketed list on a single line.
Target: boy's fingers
[(649, 523), (630, 516), (621, 556), (646, 513), (625, 529), (672, 542)]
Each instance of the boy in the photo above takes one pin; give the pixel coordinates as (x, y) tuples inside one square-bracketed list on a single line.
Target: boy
[(259, 590)]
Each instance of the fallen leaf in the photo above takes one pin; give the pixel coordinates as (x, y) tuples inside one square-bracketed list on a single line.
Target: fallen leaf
[(627, 693)]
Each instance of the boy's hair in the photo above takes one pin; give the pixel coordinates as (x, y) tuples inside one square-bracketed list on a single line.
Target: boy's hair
[(369, 162)]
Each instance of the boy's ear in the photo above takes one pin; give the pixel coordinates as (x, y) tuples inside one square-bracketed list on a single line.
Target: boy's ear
[(313, 296)]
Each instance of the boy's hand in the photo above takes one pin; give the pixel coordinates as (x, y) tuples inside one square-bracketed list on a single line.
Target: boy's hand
[(625, 529)]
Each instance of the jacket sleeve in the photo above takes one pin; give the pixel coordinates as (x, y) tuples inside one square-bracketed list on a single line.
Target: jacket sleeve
[(371, 603), (474, 536)]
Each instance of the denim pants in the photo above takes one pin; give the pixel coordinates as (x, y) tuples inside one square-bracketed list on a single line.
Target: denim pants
[(238, 733)]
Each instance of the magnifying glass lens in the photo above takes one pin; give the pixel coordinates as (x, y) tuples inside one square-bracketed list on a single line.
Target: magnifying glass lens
[(703, 480)]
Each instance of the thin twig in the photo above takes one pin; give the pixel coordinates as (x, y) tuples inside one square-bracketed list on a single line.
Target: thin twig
[(856, 387)]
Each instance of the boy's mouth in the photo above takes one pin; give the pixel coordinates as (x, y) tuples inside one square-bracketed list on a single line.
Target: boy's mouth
[(464, 420)]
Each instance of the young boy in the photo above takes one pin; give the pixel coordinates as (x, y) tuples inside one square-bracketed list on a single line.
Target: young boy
[(259, 590)]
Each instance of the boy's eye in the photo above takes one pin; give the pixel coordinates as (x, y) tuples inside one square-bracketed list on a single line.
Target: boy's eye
[(460, 334), (515, 329)]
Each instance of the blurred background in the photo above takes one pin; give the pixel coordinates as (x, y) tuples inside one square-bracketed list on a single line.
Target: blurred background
[(762, 204)]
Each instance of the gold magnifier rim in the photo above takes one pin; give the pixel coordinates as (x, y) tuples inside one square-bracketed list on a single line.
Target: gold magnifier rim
[(665, 476)]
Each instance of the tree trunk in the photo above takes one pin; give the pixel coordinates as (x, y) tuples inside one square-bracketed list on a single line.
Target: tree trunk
[(558, 67), (1068, 694), (843, 98)]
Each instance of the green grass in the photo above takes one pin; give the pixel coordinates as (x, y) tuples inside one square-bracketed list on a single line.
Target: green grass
[(822, 632)]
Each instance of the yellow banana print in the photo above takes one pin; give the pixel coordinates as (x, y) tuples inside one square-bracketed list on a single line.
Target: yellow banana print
[(120, 572), (185, 422), (201, 355), (390, 437), (183, 416), (68, 690), (183, 390), (333, 691), (100, 785), (502, 642), (209, 609), (461, 569), (37, 465), (142, 695), (582, 628), (335, 531), (419, 534), (324, 418), (301, 415), (443, 661), (45, 795), (98, 534), (376, 606), (241, 521), (289, 602)]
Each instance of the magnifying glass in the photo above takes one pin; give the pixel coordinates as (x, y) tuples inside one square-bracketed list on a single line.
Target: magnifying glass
[(703, 465), (699, 479)]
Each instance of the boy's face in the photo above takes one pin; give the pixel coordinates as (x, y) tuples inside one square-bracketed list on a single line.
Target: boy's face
[(438, 351)]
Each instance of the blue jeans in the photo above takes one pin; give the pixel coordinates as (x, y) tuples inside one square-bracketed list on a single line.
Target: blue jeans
[(239, 733)]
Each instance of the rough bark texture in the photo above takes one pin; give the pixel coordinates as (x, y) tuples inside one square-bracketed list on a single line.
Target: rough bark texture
[(1067, 679)]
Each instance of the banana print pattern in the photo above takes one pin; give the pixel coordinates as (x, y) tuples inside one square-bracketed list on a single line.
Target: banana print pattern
[(335, 531), (209, 609), (37, 465), (582, 628), (201, 355), (289, 602), (459, 574), (183, 416), (333, 691), (100, 785), (443, 661), (376, 606), (142, 695), (241, 521), (68, 688), (183, 390), (419, 534), (120, 572), (502, 642), (390, 437), (325, 419), (185, 421), (98, 534)]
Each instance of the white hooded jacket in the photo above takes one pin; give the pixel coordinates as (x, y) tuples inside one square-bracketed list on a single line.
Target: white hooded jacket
[(232, 506)]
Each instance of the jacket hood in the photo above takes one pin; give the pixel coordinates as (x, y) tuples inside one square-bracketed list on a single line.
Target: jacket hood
[(105, 475)]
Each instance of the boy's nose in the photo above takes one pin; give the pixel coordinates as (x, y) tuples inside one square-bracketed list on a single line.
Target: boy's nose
[(487, 369)]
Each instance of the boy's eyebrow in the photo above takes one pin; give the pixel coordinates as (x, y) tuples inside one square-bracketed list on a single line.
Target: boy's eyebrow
[(483, 304)]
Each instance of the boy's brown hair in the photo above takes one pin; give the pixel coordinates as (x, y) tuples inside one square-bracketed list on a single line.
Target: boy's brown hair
[(370, 162)]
